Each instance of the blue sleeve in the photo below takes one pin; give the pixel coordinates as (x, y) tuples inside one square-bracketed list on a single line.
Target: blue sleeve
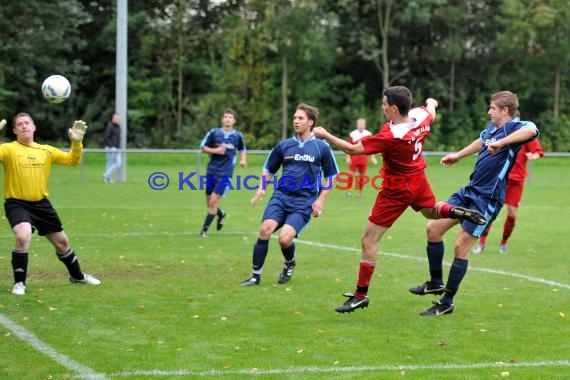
[(530, 124), (208, 140), (274, 160), (329, 165), (241, 146)]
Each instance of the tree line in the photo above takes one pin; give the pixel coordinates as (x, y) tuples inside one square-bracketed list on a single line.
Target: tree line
[(188, 60)]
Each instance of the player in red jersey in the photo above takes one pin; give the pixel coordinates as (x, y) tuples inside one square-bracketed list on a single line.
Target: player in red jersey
[(515, 184), (358, 164), (400, 141)]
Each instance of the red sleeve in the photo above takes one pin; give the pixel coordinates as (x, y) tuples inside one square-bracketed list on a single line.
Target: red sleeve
[(379, 142), (534, 146)]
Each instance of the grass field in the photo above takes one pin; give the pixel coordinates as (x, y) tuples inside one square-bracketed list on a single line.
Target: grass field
[(170, 305)]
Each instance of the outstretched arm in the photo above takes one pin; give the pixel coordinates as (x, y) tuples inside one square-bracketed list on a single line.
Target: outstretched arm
[(521, 135), (348, 148), (452, 158)]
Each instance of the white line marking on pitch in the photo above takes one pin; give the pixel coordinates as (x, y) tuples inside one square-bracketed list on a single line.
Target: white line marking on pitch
[(479, 269), (82, 371), (385, 368)]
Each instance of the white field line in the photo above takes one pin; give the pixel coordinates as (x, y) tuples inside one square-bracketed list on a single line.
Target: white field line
[(80, 370), (87, 373), (338, 369), (424, 259)]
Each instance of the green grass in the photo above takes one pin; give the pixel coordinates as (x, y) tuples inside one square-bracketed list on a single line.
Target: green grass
[(170, 305)]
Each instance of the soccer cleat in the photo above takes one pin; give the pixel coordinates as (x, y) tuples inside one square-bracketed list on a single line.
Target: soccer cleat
[(19, 289), (87, 279), (437, 309), (502, 248), (220, 222), (250, 282), (427, 287), (472, 216), (478, 249), (352, 303), (348, 194), (287, 273), (203, 234)]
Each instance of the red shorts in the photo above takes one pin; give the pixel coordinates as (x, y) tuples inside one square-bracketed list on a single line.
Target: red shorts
[(397, 194), (358, 164), (514, 193)]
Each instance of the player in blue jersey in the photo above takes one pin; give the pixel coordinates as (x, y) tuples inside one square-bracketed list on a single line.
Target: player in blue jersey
[(497, 148), (222, 144), (309, 168)]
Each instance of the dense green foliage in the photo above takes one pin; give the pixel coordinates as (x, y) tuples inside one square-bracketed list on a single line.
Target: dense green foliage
[(190, 59)]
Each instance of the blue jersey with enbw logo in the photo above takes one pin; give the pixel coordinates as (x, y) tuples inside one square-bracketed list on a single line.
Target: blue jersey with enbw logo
[(305, 163), (489, 178), (223, 164)]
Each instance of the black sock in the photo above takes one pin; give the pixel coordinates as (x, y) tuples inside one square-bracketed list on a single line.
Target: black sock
[(456, 274), (289, 253), (220, 213), (72, 264), (208, 221), (20, 265), (435, 260)]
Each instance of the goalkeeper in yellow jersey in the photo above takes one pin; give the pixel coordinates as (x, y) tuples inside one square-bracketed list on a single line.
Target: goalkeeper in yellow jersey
[(27, 166)]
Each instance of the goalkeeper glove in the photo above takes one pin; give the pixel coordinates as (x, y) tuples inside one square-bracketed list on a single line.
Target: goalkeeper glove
[(2, 123), (77, 131)]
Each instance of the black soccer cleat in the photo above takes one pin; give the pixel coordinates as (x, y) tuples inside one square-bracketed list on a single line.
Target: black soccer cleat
[(352, 303), (250, 282), (220, 222), (437, 309), (287, 273), (472, 216), (427, 287)]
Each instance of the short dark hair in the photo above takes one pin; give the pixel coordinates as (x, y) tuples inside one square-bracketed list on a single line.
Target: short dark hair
[(506, 99), (19, 115), (312, 113), (231, 111), (400, 97)]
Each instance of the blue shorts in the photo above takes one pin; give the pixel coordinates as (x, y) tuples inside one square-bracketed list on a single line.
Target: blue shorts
[(468, 197), (294, 211), (219, 184)]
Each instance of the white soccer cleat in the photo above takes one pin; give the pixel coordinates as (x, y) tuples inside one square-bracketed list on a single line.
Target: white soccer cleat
[(19, 289), (87, 279), (478, 249)]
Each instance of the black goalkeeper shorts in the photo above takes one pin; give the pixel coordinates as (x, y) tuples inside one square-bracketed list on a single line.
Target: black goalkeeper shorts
[(40, 214)]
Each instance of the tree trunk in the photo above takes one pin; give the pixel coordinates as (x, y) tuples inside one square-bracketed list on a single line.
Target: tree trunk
[(556, 108), (284, 103), (452, 86)]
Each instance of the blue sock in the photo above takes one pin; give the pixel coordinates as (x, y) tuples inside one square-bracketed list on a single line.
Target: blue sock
[(435, 260), (260, 250), (456, 273)]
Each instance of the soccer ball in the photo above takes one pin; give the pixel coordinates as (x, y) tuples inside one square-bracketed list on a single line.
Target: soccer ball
[(56, 89)]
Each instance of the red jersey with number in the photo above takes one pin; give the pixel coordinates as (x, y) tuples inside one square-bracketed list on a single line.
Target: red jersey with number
[(519, 172), (401, 145)]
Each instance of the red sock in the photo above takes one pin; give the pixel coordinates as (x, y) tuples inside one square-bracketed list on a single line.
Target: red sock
[(364, 277), (508, 229), (443, 209)]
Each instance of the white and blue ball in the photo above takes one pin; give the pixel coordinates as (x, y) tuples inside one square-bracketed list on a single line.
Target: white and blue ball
[(56, 89)]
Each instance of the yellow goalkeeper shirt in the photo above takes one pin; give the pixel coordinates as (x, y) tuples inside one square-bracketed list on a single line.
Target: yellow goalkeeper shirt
[(27, 168)]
